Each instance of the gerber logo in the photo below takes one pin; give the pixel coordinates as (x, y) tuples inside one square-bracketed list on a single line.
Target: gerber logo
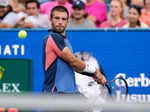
[(141, 81), (1, 72)]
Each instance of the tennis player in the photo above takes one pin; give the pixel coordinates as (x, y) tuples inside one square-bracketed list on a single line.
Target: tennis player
[(59, 62)]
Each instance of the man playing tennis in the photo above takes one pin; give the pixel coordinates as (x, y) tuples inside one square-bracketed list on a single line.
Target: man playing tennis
[(59, 62)]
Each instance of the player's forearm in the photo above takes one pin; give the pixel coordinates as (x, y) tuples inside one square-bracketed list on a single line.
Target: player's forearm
[(67, 55), (78, 65)]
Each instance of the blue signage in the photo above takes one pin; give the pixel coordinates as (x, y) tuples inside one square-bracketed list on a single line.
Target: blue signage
[(120, 52)]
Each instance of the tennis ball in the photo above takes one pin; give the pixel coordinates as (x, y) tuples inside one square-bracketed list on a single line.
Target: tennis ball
[(22, 34)]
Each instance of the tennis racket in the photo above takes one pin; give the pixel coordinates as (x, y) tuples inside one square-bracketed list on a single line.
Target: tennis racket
[(114, 88), (117, 87)]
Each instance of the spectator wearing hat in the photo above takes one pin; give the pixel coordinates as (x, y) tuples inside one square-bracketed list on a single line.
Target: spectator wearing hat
[(79, 18), (7, 16), (46, 7)]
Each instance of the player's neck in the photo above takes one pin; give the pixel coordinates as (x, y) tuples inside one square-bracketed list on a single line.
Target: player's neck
[(63, 33)]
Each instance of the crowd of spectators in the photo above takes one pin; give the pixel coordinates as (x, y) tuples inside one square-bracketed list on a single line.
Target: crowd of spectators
[(84, 14)]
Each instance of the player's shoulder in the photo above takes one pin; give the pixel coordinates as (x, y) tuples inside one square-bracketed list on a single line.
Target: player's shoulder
[(56, 36), (45, 39)]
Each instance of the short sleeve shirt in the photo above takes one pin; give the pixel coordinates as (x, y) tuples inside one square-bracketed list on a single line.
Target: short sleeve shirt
[(59, 75)]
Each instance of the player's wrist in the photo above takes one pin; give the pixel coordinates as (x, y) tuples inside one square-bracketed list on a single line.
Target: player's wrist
[(95, 74), (94, 77), (90, 69)]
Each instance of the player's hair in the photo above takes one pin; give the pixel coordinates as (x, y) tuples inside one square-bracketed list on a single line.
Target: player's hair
[(60, 9), (32, 1)]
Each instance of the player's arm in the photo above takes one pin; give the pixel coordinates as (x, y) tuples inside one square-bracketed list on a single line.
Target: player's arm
[(57, 44), (79, 65), (82, 67)]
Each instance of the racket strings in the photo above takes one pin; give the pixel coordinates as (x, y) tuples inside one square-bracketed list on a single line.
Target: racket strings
[(120, 88)]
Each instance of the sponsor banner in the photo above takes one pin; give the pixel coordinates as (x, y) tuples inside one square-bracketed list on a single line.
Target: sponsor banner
[(15, 75), (120, 52)]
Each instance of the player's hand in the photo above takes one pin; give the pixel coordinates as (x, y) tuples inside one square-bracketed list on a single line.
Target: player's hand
[(100, 78)]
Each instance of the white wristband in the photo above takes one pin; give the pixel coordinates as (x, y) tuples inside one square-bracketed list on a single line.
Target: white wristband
[(89, 69)]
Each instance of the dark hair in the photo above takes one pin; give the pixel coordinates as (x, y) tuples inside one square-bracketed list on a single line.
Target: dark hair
[(9, 10), (138, 8), (32, 1), (128, 2), (144, 2), (60, 9)]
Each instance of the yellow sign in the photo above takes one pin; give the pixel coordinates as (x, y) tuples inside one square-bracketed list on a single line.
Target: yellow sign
[(1, 72)]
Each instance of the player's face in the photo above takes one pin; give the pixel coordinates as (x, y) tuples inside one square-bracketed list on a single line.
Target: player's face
[(59, 21)]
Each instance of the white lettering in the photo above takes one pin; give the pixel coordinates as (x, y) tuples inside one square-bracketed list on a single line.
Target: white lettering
[(136, 80), (22, 49), (118, 82), (133, 98), (142, 98), (9, 88), (144, 80), (148, 97), (130, 82), (0, 50), (15, 49), (16, 88), (6, 87), (7, 50)]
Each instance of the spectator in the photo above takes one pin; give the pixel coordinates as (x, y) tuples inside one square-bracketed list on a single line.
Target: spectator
[(7, 16), (79, 18), (47, 6), (133, 18), (126, 8), (139, 3), (33, 19), (96, 11), (116, 19), (145, 16), (17, 5)]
